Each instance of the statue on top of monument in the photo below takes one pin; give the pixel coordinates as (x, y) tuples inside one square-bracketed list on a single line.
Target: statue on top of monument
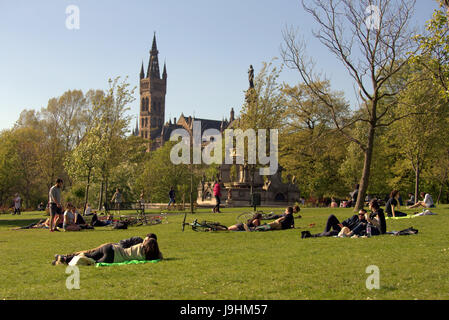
[(251, 76)]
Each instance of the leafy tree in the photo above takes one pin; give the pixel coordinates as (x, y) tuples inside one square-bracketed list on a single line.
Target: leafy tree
[(372, 57)]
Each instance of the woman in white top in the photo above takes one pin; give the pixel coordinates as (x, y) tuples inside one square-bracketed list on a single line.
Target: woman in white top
[(426, 203)]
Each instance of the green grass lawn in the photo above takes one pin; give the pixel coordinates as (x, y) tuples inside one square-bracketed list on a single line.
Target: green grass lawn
[(233, 265)]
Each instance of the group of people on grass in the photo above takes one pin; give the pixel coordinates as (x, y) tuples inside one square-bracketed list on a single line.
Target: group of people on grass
[(281, 222), (364, 223), (134, 248)]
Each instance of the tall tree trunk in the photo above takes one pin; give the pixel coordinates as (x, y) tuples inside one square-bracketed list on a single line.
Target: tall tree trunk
[(87, 190), (100, 200), (417, 178), (364, 181), (441, 186)]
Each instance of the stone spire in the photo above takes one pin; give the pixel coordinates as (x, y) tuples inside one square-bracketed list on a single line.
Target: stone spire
[(153, 66), (164, 73), (142, 72)]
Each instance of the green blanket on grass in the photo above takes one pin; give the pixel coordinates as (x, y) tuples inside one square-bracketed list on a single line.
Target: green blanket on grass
[(103, 264), (397, 218)]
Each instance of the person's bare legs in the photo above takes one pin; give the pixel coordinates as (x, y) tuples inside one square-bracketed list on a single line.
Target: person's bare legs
[(416, 205)]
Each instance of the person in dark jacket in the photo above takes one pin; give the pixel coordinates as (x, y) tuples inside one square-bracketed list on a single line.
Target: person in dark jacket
[(334, 226), (285, 222), (376, 220)]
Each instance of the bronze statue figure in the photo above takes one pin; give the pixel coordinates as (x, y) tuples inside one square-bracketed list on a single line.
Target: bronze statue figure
[(251, 76)]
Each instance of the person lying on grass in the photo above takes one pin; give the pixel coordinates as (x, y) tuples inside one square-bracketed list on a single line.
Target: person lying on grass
[(250, 225), (115, 253), (334, 226), (43, 223), (285, 222), (95, 222)]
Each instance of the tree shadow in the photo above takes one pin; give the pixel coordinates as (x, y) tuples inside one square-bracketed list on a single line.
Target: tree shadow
[(18, 222)]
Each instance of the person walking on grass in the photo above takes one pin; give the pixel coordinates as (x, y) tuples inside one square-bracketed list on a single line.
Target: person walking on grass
[(217, 195), (17, 204), (54, 203), (117, 199), (171, 196)]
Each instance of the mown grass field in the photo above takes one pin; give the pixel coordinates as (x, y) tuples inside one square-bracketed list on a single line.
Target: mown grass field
[(234, 265)]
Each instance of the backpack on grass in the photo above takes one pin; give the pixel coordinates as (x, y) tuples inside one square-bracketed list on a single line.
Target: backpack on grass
[(406, 232)]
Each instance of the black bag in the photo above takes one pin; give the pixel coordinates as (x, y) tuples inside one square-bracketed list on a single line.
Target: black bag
[(406, 232), (120, 225)]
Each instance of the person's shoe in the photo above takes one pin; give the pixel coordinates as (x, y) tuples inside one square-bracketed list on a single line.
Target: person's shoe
[(305, 234)]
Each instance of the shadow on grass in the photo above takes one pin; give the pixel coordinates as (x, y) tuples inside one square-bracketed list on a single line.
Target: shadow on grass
[(388, 288), (18, 222), (171, 259)]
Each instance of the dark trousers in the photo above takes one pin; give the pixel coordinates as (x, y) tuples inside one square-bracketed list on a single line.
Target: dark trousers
[(101, 254), (332, 224), (332, 228), (397, 214), (217, 206)]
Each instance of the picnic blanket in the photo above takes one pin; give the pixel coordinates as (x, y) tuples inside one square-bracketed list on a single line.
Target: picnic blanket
[(424, 213), (103, 264)]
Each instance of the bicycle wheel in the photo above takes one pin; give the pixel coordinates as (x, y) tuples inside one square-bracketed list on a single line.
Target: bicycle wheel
[(244, 217), (213, 226)]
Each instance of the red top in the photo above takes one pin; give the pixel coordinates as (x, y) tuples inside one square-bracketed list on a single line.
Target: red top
[(217, 190)]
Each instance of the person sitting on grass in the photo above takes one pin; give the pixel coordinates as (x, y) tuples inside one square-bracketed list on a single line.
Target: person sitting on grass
[(114, 253), (376, 220), (69, 223), (250, 225), (334, 203), (393, 204), (334, 226), (426, 203), (285, 222), (411, 200), (88, 211)]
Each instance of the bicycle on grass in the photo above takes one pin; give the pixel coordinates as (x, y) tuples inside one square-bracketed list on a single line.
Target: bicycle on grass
[(205, 226)]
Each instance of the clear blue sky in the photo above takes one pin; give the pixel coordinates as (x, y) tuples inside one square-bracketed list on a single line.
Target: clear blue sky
[(208, 46)]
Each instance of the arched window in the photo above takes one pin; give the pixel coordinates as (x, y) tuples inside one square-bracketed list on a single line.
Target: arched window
[(146, 122), (143, 123), (143, 105), (146, 104)]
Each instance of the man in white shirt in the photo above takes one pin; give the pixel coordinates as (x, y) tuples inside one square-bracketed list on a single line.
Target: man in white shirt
[(17, 204), (426, 203)]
